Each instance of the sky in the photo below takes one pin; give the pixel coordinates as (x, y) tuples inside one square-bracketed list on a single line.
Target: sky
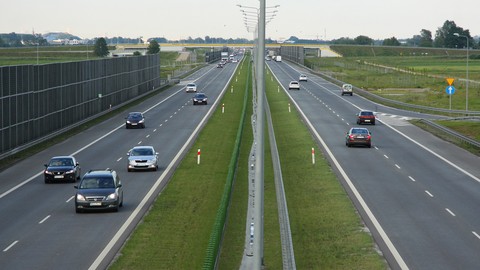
[(181, 19)]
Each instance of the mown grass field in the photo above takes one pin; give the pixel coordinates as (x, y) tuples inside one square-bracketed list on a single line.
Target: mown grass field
[(415, 75)]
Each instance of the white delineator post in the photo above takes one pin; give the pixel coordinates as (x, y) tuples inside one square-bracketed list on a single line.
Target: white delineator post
[(198, 156), (223, 107), (313, 155)]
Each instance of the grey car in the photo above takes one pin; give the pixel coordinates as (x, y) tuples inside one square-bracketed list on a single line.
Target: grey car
[(99, 190), (142, 158)]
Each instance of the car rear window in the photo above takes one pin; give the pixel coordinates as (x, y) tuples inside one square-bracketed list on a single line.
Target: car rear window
[(359, 131), (366, 113)]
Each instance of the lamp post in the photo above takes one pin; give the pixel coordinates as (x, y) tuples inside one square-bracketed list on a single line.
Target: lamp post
[(466, 91)]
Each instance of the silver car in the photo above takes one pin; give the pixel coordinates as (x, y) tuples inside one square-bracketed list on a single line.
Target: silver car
[(142, 158)]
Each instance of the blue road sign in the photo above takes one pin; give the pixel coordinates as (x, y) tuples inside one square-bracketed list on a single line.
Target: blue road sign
[(450, 90)]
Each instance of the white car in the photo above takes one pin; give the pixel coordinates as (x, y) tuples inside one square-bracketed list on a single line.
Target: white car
[(294, 85), (347, 89), (191, 87), (303, 77)]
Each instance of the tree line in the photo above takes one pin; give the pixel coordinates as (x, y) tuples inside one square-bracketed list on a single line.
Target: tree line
[(449, 35)]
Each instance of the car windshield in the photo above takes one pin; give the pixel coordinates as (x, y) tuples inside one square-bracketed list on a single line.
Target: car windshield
[(134, 115), (359, 131), (141, 152), (97, 182), (191, 85), (200, 96), (61, 162)]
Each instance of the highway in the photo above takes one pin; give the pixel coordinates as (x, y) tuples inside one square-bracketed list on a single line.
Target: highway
[(39, 228), (418, 195)]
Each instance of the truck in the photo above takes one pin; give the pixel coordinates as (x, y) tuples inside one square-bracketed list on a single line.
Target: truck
[(278, 58), (224, 56)]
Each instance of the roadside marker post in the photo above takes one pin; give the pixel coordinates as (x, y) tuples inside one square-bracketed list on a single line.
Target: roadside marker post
[(289, 110), (313, 155), (198, 156)]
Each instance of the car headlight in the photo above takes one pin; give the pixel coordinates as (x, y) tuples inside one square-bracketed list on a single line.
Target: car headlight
[(112, 196), (48, 172), (128, 122), (70, 171), (80, 197), (141, 121)]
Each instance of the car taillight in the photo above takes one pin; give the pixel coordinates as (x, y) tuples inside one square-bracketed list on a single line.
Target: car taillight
[(369, 137)]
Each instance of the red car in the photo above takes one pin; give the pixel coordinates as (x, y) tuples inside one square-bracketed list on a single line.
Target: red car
[(366, 117), (358, 136)]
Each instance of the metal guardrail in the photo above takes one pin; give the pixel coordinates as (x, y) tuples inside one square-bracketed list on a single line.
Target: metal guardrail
[(453, 133), (441, 128)]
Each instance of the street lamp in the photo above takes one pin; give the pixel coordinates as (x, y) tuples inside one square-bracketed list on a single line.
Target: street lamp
[(466, 100)]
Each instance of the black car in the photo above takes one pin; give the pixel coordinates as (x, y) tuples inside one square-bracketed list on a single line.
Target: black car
[(200, 98), (99, 190), (62, 169), (135, 119)]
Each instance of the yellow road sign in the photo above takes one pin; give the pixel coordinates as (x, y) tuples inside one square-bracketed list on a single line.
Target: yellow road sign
[(450, 81)]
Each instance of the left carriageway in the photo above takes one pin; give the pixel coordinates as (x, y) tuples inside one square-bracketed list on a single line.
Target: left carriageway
[(39, 228)]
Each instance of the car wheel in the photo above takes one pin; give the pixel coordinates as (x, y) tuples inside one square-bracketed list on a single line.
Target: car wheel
[(126, 126), (369, 145), (78, 210), (373, 123)]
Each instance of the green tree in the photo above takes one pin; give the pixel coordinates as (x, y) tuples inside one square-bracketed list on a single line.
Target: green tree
[(136, 53), (425, 38), (393, 41), (445, 36), (153, 47), (363, 40), (100, 47)]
